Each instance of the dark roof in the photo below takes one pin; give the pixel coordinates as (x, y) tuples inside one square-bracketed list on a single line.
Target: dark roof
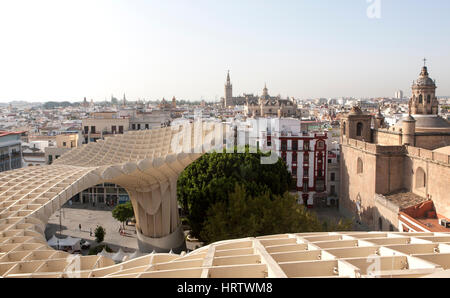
[(405, 199), (427, 121)]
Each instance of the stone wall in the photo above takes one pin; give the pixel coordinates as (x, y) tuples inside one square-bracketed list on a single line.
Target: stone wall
[(357, 187), (386, 137), (387, 211), (437, 170), (432, 142)]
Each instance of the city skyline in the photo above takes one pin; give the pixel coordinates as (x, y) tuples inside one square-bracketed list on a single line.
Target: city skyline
[(65, 51)]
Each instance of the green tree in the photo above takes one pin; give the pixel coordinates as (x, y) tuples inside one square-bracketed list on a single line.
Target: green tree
[(246, 216), (99, 234), (123, 212), (212, 177)]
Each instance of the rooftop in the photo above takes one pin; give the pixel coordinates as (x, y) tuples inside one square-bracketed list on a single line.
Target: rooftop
[(405, 199), (7, 133)]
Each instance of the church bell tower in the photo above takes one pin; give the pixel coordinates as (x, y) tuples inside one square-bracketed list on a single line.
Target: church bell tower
[(228, 91), (423, 100)]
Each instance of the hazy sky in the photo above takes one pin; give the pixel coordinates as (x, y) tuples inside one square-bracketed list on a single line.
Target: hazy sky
[(66, 50)]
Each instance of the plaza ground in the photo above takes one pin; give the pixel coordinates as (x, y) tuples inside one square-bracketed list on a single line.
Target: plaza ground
[(90, 217), (332, 214)]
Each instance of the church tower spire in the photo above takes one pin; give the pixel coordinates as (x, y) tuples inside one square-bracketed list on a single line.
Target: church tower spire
[(228, 91), (265, 90)]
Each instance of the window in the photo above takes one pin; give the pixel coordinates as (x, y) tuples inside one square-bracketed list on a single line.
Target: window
[(283, 145), (306, 146), (92, 129), (86, 129), (320, 145), (359, 166), (305, 186), (294, 158), (319, 173), (329, 160), (428, 98), (295, 145), (120, 129), (50, 159), (420, 98), (139, 126), (64, 144), (333, 176), (147, 126), (359, 129), (421, 178), (344, 126), (305, 172), (133, 126), (113, 129)]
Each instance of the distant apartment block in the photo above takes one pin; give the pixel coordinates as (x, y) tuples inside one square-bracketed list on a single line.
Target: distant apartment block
[(10, 150), (101, 124), (314, 168), (64, 143)]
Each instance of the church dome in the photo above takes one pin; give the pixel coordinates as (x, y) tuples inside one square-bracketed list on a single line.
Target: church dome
[(431, 121), (424, 79), (426, 122)]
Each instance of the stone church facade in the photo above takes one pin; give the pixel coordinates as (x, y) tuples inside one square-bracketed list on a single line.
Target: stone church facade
[(260, 106), (386, 172)]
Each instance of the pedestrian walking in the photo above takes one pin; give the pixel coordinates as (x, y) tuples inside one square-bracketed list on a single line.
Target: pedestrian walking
[(90, 231)]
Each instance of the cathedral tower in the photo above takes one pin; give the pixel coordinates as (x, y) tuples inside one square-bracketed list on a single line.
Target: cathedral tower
[(228, 91), (423, 100)]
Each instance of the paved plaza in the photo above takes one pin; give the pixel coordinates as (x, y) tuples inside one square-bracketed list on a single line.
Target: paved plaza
[(89, 217)]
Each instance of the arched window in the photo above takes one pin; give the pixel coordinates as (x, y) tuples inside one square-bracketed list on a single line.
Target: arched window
[(429, 98), (320, 146), (421, 178), (420, 98), (359, 129), (359, 166), (344, 127)]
